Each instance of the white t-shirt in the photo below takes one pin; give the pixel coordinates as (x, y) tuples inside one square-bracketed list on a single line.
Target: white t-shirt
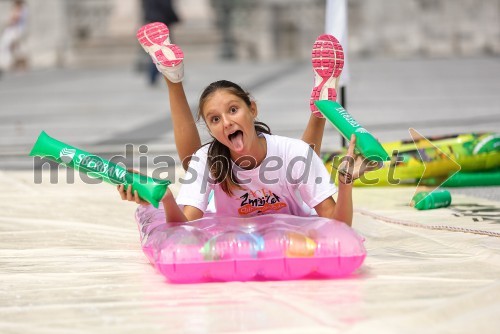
[(291, 180)]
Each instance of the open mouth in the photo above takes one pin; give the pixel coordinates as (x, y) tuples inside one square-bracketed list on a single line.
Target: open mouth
[(236, 139), (234, 135)]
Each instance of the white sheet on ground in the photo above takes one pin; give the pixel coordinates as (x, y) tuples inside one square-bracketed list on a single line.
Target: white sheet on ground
[(71, 263)]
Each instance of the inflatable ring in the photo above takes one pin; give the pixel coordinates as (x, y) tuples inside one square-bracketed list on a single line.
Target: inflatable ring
[(267, 247)]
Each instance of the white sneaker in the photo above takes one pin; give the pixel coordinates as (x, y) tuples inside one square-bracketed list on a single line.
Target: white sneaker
[(328, 62), (168, 58)]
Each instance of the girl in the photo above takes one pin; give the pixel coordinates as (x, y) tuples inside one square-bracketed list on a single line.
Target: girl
[(250, 171)]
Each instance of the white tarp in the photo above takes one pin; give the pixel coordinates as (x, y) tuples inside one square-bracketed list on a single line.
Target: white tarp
[(71, 262)]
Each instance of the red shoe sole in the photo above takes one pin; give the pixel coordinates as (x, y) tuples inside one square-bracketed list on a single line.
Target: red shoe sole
[(163, 60), (328, 61), (153, 33), (157, 33)]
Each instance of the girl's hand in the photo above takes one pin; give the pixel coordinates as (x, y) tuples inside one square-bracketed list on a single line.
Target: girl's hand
[(353, 166), (128, 195)]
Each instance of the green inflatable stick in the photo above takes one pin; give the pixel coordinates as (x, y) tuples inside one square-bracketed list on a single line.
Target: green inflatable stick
[(151, 190), (436, 199), (366, 144)]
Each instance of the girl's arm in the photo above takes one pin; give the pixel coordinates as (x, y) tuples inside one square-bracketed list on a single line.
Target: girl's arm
[(350, 169), (173, 212), (186, 135), (313, 134), (342, 210)]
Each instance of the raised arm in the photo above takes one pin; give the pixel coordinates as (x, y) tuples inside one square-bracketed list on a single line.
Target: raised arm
[(351, 168), (169, 60), (342, 210), (186, 135)]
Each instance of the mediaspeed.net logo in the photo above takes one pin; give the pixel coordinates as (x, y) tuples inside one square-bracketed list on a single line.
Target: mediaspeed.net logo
[(67, 155)]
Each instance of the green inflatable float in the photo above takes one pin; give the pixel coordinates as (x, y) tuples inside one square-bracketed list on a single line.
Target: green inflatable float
[(466, 179), (433, 158), (151, 190)]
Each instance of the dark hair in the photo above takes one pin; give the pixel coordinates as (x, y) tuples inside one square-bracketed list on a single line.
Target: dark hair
[(219, 156)]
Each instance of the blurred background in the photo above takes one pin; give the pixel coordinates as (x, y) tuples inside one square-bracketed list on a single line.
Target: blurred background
[(75, 33), (81, 74)]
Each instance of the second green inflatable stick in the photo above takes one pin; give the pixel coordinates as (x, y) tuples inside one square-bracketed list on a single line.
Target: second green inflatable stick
[(366, 144)]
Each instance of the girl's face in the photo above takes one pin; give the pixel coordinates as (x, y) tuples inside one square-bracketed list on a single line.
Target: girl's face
[(231, 121)]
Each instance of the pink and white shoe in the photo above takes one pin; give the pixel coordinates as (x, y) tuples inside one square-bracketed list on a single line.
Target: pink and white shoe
[(168, 58), (328, 61)]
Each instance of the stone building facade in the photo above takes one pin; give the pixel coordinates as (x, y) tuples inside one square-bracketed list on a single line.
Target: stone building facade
[(70, 32)]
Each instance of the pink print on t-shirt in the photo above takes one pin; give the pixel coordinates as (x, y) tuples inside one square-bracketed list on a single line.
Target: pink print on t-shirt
[(261, 200)]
